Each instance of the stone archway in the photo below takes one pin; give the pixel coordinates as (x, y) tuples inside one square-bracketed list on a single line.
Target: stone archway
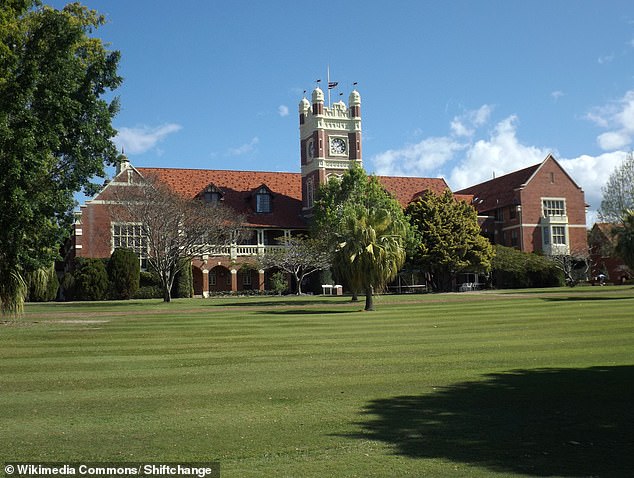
[(219, 278)]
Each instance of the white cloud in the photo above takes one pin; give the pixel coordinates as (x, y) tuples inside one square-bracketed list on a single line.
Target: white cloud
[(618, 118), (245, 148), (428, 156), (143, 138), (417, 159), (465, 124), (282, 110), (602, 60), (499, 154), (592, 172), (465, 163), (557, 94), (613, 140)]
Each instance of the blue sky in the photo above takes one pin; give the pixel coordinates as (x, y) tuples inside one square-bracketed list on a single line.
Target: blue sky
[(460, 89)]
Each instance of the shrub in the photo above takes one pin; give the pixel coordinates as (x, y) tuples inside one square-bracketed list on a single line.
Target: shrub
[(184, 282), (513, 269), (91, 280), (149, 286), (124, 273), (43, 285), (278, 282), (68, 286)]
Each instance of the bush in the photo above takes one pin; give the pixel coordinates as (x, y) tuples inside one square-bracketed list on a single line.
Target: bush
[(184, 282), (513, 269), (124, 273), (68, 286), (149, 286), (43, 285), (149, 279), (278, 282), (91, 280)]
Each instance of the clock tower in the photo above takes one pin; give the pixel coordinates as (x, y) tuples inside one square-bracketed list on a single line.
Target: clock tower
[(330, 142)]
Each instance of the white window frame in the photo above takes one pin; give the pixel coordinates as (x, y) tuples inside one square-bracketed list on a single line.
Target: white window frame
[(132, 239), (263, 206), (559, 235), (553, 207)]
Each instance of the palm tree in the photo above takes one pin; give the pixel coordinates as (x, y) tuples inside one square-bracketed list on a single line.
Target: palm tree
[(371, 250)]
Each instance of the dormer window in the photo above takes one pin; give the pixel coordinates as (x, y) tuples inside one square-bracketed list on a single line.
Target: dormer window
[(212, 194), (263, 198)]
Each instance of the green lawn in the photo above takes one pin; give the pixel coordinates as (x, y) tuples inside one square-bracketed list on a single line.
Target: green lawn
[(527, 383)]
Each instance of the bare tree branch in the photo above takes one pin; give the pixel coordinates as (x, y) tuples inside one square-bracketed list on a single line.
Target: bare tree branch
[(174, 227)]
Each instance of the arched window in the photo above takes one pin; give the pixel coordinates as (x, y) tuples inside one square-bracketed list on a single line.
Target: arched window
[(310, 192)]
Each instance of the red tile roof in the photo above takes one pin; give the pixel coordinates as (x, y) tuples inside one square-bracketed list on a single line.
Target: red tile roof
[(500, 191), (238, 186), (406, 189)]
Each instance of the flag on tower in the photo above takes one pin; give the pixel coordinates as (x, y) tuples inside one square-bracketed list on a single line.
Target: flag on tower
[(332, 84)]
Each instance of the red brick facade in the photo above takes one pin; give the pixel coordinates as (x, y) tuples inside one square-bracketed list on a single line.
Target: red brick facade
[(511, 207), (536, 209)]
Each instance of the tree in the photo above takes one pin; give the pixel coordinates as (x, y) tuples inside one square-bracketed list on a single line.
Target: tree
[(55, 131), (300, 256), (365, 228), (91, 280), (448, 238), (574, 266), (43, 284), (372, 248), (618, 192), (625, 239), (124, 273), (514, 269), (175, 228)]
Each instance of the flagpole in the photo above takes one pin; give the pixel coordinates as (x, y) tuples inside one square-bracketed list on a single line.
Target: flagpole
[(328, 74)]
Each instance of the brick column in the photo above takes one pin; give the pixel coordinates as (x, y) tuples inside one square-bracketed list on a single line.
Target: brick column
[(261, 280), (205, 291), (234, 280)]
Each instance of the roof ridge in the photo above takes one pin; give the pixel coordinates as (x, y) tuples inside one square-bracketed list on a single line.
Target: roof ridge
[(216, 170)]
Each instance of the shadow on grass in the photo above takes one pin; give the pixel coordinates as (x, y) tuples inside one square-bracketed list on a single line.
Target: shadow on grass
[(581, 299), (543, 422), (280, 303), (307, 312)]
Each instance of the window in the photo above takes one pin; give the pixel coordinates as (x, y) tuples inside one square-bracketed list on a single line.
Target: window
[(212, 278), (499, 215), (559, 234), (212, 194), (554, 235), (246, 278), (131, 236), (310, 192), (263, 200), (514, 238), (512, 212), (554, 207)]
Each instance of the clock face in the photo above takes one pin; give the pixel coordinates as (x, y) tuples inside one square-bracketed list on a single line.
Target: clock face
[(337, 146)]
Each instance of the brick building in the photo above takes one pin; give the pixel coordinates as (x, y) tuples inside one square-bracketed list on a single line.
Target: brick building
[(275, 204), (603, 260), (535, 209)]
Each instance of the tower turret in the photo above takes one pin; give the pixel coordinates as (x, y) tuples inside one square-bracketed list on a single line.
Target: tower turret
[(330, 141)]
